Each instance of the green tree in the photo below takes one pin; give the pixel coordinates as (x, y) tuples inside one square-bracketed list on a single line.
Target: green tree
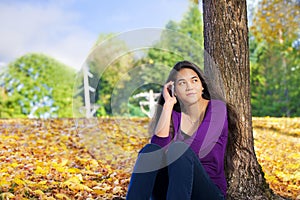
[(275, 29), (37, 86), (109, 62), (184, 39), (180, 40), (257, 78)]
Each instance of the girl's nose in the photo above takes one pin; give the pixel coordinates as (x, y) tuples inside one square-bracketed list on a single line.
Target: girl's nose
[(188, 86)]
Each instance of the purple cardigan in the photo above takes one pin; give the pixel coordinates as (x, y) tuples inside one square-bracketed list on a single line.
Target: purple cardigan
[(208, 142)]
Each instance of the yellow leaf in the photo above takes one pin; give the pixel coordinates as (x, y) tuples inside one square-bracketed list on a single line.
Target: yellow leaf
[(99, 191), (7, 195), (94, 163), (39, 141), (30, 183), (62, 196), (60, 169), (19, 181), (75, 179), (49, 198), (82, 187), (41, 171), (73, 170), (4, 170), (4, 183), (42, 182), (64, 162), (38, 192), (14, 165)]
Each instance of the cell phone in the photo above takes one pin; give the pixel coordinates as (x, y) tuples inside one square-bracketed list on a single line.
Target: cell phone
[(172, 90)]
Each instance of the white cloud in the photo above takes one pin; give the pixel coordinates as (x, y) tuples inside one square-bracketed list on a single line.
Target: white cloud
[(43, 28)]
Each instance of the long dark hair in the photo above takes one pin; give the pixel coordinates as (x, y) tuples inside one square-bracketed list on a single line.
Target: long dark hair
[(209, 92)]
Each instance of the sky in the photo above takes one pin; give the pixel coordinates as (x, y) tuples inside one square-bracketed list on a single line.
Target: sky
[(67, 29)]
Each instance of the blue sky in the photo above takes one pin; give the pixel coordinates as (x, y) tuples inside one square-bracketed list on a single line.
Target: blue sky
[(67, 29)]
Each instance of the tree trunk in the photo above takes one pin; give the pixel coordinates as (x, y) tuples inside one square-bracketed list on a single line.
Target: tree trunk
[(226, 41)]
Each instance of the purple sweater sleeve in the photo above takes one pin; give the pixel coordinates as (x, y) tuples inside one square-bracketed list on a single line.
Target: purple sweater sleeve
[(161, 141)]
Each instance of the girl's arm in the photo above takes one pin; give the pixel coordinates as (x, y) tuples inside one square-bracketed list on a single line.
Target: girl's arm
[(162, 128)]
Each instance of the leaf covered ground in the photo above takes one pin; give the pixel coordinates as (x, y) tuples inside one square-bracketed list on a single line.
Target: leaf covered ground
[(93, 159), (277, 146)]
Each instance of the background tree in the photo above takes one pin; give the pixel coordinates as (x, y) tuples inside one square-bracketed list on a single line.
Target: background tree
[(109, 76), (226, 41), (37, 86), (180, 40), (257, 78), (276, 50)]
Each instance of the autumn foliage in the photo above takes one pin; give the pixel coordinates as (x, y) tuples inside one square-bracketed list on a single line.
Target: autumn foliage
[(277, 146), (81, 159)]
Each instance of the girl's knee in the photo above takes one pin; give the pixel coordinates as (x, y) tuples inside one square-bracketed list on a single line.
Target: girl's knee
[(150, 159), (150, 148), (177, 150)]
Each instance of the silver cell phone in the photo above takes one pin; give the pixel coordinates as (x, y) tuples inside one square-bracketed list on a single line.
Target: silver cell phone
[(172, 90)]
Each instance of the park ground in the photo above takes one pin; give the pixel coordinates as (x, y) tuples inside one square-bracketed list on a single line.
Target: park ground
[(93, 159)]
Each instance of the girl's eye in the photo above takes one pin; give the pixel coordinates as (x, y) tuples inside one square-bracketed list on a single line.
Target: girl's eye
[(181, 83), (194, 80)]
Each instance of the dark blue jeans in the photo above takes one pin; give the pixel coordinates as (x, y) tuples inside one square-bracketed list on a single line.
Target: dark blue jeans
[(175, 173)]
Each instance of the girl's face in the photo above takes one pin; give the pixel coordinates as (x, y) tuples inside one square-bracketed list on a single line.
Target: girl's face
[(188, 86)]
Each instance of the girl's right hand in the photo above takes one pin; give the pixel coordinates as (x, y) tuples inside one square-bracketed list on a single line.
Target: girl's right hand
[(162, 128), (171, 100)]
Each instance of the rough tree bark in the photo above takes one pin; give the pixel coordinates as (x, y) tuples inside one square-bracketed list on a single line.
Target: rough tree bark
[(226, 41)]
